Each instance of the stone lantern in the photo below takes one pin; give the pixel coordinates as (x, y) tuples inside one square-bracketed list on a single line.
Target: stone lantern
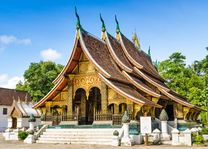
[(164, 125), (31, 121), (126, 140)]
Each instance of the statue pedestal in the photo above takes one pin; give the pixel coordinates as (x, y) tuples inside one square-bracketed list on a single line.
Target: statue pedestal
[(164, 127), (30, 139), (126, 140), (31, 125), (115, 141)]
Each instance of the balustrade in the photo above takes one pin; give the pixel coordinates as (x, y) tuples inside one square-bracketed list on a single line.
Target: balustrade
[(98, 116)]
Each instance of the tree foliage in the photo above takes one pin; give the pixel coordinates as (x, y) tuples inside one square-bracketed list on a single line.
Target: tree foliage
[(189, 81), (38, 79)]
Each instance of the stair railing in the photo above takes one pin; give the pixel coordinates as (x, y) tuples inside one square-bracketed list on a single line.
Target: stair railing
[(40, 132)]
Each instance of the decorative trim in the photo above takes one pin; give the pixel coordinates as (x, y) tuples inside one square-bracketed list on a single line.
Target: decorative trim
[(144, 89), (149, 80), (128, 55), (176, 99), (115, 57)]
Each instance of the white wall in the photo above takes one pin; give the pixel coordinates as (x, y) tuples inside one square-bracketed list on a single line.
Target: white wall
[(23, 122), (3, 118)]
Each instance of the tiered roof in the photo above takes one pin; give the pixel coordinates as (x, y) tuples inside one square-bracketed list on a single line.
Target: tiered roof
[(8, 95), (24, 109), (120, 65)]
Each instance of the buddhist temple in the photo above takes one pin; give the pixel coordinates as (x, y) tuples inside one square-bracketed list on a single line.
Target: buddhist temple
[(104, 77)]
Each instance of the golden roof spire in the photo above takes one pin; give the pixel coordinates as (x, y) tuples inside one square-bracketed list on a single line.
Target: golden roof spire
[(136, 40)]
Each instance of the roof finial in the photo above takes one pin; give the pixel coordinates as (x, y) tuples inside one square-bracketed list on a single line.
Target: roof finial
[(117, 25), (78, 26), (135, 40), (103, 23), (149, 52)]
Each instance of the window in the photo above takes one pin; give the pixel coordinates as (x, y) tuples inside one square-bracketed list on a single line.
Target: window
[(4, 111)]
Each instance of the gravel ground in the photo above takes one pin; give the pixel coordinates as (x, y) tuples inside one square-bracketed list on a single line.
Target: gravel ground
[(20, 145)]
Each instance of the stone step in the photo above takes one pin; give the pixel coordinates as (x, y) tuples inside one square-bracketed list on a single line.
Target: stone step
[(77, 136), (81, 134), (74, 142), (81, 130), (76, 139)]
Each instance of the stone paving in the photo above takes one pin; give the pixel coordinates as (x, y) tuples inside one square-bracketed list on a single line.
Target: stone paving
[(20, 145)]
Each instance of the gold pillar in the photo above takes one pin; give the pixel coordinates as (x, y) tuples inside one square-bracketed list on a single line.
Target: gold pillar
[(70, 98), (116, 109), (104, 97), (48, 107)]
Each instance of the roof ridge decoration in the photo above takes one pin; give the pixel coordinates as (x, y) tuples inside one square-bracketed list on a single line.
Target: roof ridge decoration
[(135, 40), (117, 25), (103, 24), (78, 26)]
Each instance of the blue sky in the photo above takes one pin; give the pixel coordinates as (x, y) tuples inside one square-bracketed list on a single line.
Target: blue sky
[(34, 30)]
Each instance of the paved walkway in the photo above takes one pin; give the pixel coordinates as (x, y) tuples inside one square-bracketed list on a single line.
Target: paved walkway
[(20, 145)]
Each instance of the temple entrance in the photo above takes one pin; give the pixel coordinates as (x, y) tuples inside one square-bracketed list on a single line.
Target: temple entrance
[(14, 122), (56, 115), (79, 106), (111, 108), (93, 104), (169, 109), (122, 108)]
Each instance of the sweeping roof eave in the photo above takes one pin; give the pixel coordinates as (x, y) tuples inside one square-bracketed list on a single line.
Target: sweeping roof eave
[(128, 92), (138, 58), (72, 58), (53, 92)]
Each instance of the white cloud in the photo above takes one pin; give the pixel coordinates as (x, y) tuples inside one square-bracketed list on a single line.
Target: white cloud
[(50, 54), (9, 82), (9, 39)]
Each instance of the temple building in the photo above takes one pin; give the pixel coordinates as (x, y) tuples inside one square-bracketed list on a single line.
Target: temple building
[(7, 97), (105, 77)]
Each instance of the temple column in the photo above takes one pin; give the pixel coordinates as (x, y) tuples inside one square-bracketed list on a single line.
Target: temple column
[(116, 109), (48, 108), (130, 110), (104, 97), (70, 98)]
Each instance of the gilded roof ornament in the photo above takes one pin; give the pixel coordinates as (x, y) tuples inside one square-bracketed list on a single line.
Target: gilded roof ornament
[(117, 25), (103, 24), (78, 26), (135, 40)]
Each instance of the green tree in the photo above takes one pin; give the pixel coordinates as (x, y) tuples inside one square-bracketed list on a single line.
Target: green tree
[(38, 78), (189, 81)]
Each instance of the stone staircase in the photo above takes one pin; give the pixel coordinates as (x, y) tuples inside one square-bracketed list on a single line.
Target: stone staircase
[(78, 136)]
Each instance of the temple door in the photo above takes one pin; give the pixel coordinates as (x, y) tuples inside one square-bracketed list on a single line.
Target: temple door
[(14, 122)]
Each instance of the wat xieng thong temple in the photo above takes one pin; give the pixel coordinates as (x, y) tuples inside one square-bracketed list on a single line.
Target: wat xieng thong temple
[(106, 76)]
